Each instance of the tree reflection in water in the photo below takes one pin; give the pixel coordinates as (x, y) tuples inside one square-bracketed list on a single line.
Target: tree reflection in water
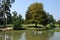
[(38, 35), (10, 35), (4, 36), (23, 37), (26, 35)]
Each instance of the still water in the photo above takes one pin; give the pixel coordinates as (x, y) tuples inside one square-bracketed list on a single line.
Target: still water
[(30, 35)]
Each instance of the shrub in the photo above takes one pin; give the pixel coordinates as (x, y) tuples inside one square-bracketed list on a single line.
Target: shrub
[(17, 25), (50, 26)]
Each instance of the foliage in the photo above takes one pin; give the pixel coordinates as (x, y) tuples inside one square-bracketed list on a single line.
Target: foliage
[(50, 26), (5, 9), (17, 21), (36, 14), (50, 18), (21, 19), (17, 25), (14, 17), (59, 22), (1, 14)]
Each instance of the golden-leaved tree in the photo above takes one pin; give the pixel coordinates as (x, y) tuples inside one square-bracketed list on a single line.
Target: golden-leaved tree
[(36, 14)]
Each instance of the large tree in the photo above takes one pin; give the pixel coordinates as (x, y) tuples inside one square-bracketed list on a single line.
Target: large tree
[(36, 14), (5, 8)]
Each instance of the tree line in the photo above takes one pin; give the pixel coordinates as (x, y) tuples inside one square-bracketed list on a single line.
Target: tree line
[(35, 14)]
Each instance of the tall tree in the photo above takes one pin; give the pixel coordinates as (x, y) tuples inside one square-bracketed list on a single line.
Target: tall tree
[(5, 6), (36, 14)]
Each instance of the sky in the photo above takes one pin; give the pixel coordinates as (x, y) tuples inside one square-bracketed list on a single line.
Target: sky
[(50, 6)]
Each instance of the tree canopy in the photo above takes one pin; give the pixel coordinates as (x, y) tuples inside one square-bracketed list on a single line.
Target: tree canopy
[(5, 9), (36, 13), (17, 20)]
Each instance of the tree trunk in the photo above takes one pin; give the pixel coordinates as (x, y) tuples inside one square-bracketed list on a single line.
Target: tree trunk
[(4, 15), (4, 20), (36, 25)]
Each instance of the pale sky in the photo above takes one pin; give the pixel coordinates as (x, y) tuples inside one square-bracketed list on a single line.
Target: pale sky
[(51, 6)]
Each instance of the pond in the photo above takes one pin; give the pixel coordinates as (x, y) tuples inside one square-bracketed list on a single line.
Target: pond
[(30, 35)]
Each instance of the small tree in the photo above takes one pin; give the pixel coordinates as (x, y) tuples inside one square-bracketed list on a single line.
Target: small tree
[(59, 22), (50, 18), (17, 21)]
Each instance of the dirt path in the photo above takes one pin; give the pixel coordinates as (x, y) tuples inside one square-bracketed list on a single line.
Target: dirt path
[(6, 29)]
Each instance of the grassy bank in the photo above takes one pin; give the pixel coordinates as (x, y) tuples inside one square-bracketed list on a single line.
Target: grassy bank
[(32, 26)]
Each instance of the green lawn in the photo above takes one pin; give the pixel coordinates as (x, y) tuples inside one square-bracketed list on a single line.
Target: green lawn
[(8, 25), (30, 26)]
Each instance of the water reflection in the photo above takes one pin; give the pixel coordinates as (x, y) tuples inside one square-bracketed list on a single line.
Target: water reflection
[(10, 35), (4, 36), (29, 35), (56, 36), (38, 35), (23, 36)]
